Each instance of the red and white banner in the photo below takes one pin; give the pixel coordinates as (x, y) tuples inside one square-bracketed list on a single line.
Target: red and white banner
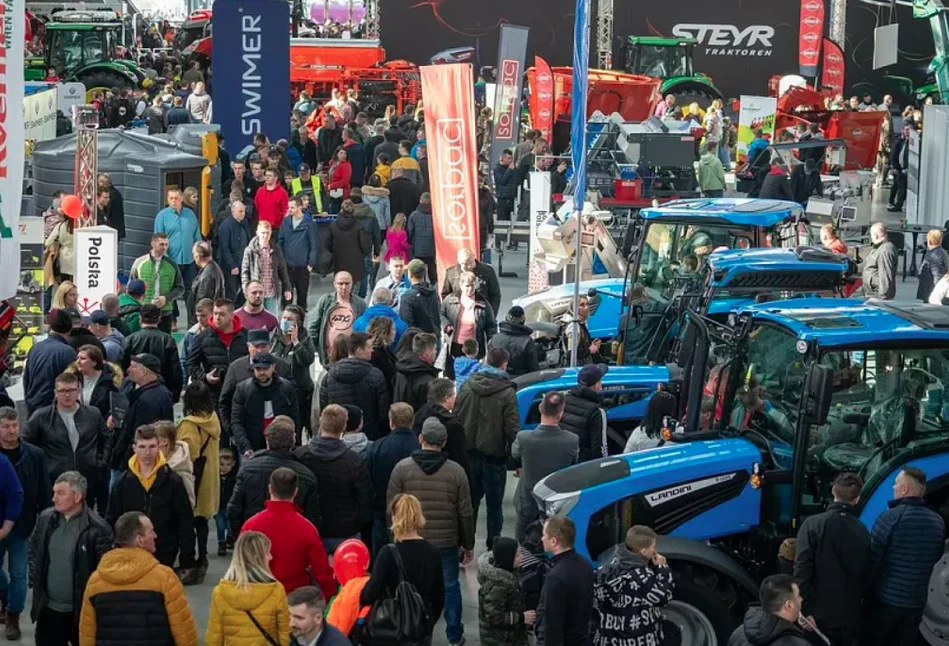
[(543, 107), (12, 143), (448, 94), (811, 33), (833, 67)]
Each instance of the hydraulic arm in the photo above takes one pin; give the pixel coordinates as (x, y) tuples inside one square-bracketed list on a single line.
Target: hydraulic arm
[(938, 15)]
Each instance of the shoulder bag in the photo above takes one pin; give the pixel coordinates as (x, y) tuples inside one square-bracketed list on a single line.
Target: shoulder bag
[(400, 620)]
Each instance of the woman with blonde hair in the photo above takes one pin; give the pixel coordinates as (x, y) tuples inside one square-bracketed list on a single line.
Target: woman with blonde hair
[(249, 605), (67, 295), (419, 560)]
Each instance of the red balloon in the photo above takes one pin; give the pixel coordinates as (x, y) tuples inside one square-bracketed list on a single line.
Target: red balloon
[(71, 206), (351, 560)]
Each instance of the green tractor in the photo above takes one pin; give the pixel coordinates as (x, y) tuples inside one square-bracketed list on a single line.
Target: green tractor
[(670, 59), (81, 46)]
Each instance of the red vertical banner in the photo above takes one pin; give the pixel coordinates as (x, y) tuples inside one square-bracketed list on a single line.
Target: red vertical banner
[(543, 120), (833, 68), (448, 94), (811, 33)]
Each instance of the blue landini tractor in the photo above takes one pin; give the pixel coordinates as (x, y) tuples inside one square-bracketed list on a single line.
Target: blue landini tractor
[(795, 392)]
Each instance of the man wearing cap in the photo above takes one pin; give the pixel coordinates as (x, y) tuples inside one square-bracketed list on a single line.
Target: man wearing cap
[(112, 340), (130, 305), (242, 368), (150, 401), (515, 337), (258, 401), (583, 414), (215, 349), (79, 335), (442, 489), (311, 185), (161, 345), (46, 361), (540, 452), (163, 279), (486, 283)]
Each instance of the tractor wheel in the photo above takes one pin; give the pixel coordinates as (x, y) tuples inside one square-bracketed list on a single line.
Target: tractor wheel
[(706, 606), (692, 92), (102, 80)]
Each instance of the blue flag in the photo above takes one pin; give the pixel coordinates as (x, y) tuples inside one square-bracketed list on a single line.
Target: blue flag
[(581, 63)]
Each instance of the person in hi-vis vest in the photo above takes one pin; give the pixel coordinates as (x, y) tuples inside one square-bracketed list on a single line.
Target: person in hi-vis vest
[(312, 186)]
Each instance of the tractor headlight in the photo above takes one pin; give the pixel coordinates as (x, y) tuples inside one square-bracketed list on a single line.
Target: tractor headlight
[(560, 504)]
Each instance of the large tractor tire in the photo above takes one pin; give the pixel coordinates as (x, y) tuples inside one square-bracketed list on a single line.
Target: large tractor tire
[(102, 80), (707, 606), (689, 92)]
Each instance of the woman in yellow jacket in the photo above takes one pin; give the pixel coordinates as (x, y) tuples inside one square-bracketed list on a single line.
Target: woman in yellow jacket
[(249, 606)]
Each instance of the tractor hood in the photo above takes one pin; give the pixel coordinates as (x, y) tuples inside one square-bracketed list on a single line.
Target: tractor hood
[(553, 304), (700, 490)]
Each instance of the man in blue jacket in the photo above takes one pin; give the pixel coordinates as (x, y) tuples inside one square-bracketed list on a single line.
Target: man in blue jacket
[(382, 456), (297, 239), (505, 185), (181, 225), (379, 306), (46, 361), (30, 469), (233, 236), (905, 544)]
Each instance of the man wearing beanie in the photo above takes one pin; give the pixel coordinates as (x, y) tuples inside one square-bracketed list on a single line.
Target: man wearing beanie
[(515, 337), (46, 361), (501, 614), (442, 489)]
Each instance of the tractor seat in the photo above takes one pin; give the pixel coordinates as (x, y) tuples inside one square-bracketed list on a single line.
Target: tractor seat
[(893, 422)]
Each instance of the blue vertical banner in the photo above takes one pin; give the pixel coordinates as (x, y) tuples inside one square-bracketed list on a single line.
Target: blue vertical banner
[(578, 125), (250, 61)]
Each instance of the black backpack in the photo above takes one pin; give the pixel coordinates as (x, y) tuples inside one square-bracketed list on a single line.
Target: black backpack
[(402, 620)]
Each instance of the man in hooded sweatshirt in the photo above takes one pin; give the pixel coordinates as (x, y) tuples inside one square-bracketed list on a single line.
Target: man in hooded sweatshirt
[(515, 337), (345, 490), (199, 104), (774, 622), (711, 172), (415, 372), (418, 307)]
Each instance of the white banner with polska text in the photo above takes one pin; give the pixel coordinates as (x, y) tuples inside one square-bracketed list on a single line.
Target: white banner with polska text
[(12, 153)]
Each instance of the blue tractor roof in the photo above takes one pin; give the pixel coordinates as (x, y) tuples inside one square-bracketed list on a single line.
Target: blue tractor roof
[(740, 211), (800, 269), (835, 322), (617, 377)]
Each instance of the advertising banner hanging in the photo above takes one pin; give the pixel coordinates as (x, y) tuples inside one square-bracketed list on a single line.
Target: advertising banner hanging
[(756, 112), (543, 117), (251, 68), (13, 150), (832, 76), (512, 51), (448, 93), (811, 33), (39, 114), (97, 265), (537, 277)]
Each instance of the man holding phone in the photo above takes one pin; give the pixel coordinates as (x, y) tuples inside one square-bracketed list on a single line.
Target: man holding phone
[(213, 350)]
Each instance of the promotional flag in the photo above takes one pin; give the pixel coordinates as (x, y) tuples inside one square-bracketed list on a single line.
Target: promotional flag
[(512, 49), (811, 33), (12, 152), (756, 112), (251, 68), (448, 94), (832, 77), (542, 106), (581, 64), (537, 277)]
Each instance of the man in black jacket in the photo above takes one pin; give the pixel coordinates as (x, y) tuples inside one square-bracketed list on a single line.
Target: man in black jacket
[(566, 601), (357, 382), (62, 561), (345, 491), (30, 465), (486, 280), (505, 185), (777, 185), (149, 402), (404, 194), (418, 307), (328, 139), (258, 401), (832, 563), (150, 340), (775, 621), (215, 349), (584, 416), (115, 214), (242, 369), (415, 372), (515, 337), (441, 402), (899, 166), (149, 485), (253, 479)]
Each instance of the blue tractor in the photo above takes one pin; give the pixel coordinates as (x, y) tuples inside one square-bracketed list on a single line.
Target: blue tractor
[(800, 391)]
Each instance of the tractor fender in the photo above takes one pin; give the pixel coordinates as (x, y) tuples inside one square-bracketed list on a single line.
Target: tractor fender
[(684, 549)]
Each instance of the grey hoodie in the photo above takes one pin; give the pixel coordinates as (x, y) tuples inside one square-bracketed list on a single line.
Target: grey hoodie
[(378, 200), (198, 105), (357, 442)]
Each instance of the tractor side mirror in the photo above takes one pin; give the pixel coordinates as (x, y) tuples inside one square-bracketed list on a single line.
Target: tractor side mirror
[(818, 393)]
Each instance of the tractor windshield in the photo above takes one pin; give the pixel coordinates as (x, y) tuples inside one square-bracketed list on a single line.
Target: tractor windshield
[(73, 48), (661, 61)]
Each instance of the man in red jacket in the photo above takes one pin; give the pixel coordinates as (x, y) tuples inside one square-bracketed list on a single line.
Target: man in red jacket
[(295, 544), (271, 200)]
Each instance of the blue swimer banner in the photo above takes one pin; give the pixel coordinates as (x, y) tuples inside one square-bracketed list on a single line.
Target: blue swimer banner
[(251, 67)]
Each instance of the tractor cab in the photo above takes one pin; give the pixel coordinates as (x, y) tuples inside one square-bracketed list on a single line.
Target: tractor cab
[(670, 59)]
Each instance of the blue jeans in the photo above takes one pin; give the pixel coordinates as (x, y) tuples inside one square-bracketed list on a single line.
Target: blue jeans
[(272, 304), (488, 479), (363, 286), (454, 629), (220, 521), (380, 533), (724, 155), (13, 587)]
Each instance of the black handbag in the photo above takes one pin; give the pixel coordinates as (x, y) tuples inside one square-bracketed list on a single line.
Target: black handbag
[(198, 466), (401, 620)]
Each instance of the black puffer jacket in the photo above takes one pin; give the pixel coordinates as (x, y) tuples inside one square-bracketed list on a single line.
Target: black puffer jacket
[(239, 371), (251, 489), (95, 539), (516, 339), (421, 230), (147, 405), (583, 417), (487, 407), (418, 307), (357, 382), (347, 243), (500, 607), (34, 478), (161, 345), (776, 186), (455, 446), (412, 377), (763, 629), (247, 410), (208, 352), (345, 491)]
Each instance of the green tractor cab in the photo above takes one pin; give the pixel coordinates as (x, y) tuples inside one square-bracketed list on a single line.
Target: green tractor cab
[(81, 47), (670, 59)]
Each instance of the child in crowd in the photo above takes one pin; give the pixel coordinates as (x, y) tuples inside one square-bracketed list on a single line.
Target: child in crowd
[(228, 478), (397, 239), (353, 436), (533, 564), (501, 615), (468, 364), (351, 565)]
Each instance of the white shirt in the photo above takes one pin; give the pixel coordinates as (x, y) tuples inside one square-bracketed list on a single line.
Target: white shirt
[(940, 291)]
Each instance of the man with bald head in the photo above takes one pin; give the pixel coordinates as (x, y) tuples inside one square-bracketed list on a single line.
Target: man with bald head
[(879, 266), (335, 314), (233, 236)]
